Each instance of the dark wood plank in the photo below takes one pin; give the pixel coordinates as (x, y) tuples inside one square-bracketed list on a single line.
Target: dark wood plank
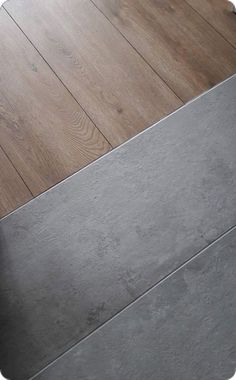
[(82, 251), (219, 14), (43, 130), (13, 191), (187, 53), (183, 329), (119, 90)]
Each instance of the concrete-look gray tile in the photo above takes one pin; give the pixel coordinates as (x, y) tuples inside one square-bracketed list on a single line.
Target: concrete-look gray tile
[(184, 328), (81, 252)]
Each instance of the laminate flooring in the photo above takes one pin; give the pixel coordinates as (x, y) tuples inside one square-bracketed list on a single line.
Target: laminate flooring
[(80, 253), (80, 77)]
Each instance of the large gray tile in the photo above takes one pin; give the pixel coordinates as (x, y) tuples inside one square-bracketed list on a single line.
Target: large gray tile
[(81, 252), (183, 329)]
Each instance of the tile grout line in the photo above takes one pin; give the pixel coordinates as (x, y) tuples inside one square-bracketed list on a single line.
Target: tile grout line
[(141, 296), (57, 76), (195, 256), (134, 48), (212, 26), (1, 147)]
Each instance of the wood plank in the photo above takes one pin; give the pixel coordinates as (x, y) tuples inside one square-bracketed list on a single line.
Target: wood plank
[(187, 53), (13, 191), (183, 329), (111, 81), (43, 130), (82, 251), (219, 14)]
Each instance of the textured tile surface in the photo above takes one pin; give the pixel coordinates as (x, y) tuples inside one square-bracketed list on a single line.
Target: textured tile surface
[(183, 329), (82, 251)]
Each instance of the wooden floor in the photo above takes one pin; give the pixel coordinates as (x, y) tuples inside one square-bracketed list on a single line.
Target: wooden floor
[(80, 77)]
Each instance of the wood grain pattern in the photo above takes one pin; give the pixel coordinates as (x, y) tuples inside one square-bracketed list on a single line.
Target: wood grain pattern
[(111, 81), (13, 191), (43, 130), (219, 14), (182, 47), (73, 259)]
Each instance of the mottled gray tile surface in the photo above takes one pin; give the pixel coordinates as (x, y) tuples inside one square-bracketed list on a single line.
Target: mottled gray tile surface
[(183, 329), (82, 251)]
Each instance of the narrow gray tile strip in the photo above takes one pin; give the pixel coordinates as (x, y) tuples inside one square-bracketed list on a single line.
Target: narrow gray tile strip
[(84, 250), (184, 328)]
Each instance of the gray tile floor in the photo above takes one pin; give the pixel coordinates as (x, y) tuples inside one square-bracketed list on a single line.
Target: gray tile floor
[(83, 251), (184, 328)]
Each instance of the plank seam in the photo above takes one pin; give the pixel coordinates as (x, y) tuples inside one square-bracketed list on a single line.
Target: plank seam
[(212, 26), (140, 55), (123, 144), (1, 147), (57, 76)]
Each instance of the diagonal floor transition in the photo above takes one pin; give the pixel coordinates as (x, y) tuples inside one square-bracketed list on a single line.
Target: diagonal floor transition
[(80, 253)]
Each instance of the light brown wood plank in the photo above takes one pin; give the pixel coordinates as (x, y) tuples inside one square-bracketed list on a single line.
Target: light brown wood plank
[(43, 130), (187, 53), (219, 14), (111, 81), (13, 191)]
